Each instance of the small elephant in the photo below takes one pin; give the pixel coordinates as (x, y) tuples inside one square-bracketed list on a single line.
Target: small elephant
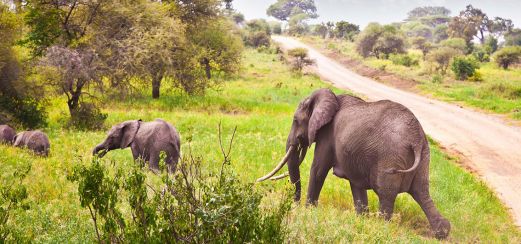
[(35, 140), (7, 134), (146, 140), (375, 145)]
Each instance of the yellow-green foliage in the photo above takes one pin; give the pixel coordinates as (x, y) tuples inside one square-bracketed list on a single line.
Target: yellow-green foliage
[(260, 102)]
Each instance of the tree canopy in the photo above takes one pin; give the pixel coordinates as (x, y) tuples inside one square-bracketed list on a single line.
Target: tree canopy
[(285, 9)]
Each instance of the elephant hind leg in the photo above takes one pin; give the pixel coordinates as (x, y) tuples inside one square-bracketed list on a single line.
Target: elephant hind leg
[(387, 204), (439, 225), (359, 199), (171, 162)]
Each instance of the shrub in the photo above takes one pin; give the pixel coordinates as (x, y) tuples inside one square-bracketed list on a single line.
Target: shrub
[(463, 67), (257, 33), (87, 117), (456, 43), (490, 45), (437, 78), (380, 41), (476, 77), (481, 55), (27, 112), (275, 27), (187, 206), (299, 58), (257, 39), (441, 58), (13, 198), (507, 56), (403, 59), (388, 43)]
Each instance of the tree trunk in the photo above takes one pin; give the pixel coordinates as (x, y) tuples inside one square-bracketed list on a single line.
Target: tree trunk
[(73, 102), (207, 68), (156, 85)]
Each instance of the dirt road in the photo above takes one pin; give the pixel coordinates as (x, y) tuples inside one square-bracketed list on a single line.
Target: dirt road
[(492, 148)]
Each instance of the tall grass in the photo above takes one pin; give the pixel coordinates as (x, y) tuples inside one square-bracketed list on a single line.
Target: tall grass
[(260, 102)]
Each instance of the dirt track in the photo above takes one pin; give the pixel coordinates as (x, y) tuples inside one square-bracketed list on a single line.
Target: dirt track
[(490, 147)]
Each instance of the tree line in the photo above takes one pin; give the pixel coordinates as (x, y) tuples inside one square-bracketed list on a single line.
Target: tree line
[(83, 48), (458, 42)]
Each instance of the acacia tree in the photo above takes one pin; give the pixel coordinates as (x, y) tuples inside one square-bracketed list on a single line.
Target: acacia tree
[(344, 29), (473, 22), (285, 9), (296, 12)]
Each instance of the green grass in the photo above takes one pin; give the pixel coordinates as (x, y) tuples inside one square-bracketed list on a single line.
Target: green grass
[(260, 102), (499, 92)]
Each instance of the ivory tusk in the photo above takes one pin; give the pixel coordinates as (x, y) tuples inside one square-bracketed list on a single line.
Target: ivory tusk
[(281, 176), (278, 167)]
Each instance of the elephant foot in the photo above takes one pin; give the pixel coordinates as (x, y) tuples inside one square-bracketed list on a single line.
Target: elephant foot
[(311, 203), (441, 228)]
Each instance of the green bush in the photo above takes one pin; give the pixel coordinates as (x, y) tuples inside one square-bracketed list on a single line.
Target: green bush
[(463, 67), (456, 43), (13, 198), (257, 39), (299, 58), (437, 78), (188, 206), (441, 58), (380, 41), (403, 59), (481, 55), (27, 112), (507, 56)]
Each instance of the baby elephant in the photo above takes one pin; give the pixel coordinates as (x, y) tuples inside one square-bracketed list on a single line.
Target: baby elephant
[(146, 139), (34, 140), (7, 134)]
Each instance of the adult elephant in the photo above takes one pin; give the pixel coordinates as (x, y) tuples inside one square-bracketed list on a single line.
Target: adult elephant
[(146, 140), (375, 145)]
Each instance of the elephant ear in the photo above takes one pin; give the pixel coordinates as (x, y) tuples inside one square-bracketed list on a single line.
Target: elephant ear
[(324, 107), (128, 132)]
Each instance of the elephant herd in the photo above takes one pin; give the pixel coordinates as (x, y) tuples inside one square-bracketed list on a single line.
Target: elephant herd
[(377, 146), (36, 140)]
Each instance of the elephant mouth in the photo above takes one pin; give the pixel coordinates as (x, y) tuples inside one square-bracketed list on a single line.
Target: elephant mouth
[(100, 152), (300, 149)]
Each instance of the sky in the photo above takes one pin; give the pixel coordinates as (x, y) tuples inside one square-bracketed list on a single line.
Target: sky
[(362, 12)]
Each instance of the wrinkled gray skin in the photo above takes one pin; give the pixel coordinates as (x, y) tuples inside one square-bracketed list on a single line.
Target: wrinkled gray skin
[(375, 145), (34, 140), (7, 134), (146, 140)]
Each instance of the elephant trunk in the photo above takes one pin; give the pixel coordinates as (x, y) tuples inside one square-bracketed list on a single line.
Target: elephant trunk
[(101, 147), (294, 162)]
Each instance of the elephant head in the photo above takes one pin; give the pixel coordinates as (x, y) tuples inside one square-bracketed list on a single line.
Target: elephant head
[(313, 113), (120, 136)]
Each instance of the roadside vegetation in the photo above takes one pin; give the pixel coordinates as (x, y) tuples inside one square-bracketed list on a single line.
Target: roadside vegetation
[(458, 59)]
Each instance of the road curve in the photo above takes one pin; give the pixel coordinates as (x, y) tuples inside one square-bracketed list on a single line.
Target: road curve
[(491, 147)]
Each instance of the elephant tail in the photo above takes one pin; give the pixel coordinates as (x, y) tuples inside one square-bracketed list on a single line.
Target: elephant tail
[(417, 158)]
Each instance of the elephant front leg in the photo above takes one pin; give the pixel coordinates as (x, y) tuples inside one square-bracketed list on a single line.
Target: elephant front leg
[(322, 163), (359, 199)]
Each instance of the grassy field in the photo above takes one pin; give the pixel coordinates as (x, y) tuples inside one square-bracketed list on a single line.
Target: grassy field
[(499, 92), (260, 102)]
